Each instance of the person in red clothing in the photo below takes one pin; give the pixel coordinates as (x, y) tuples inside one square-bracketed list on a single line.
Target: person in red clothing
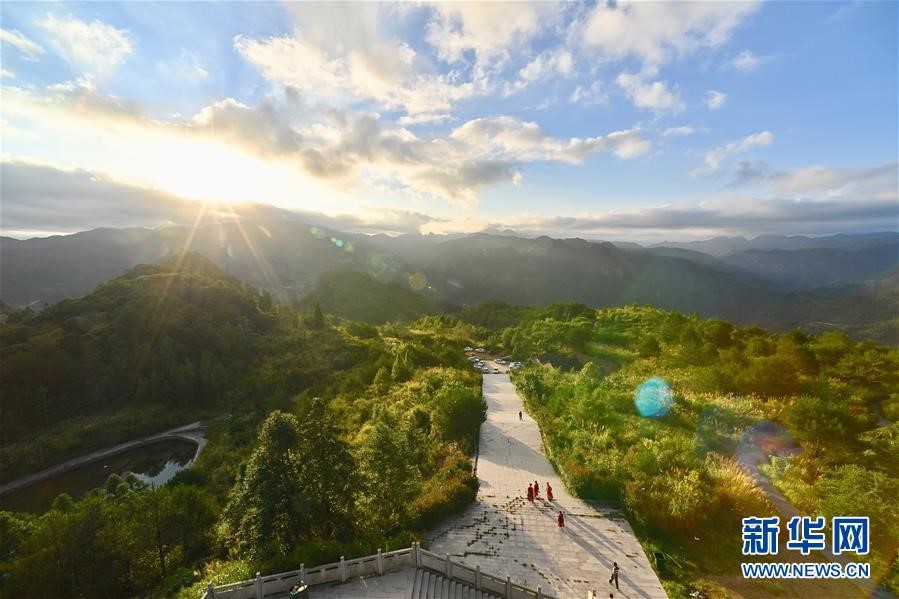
[(561, 520), (530, 493), (549, 491), (536, 489)]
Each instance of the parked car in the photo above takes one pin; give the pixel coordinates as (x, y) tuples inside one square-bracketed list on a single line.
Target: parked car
[(467, 348), (500, 361), (480, 350), (496, 371)]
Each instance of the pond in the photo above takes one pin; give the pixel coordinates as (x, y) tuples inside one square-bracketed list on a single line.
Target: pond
[(154, 464)]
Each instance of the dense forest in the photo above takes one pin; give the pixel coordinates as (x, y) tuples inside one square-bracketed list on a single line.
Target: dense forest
[(331, 437), (393, 411)]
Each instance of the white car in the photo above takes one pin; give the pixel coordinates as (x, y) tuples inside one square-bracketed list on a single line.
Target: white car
[(480, 350), (496, 371), (500, 361), (467, 348)]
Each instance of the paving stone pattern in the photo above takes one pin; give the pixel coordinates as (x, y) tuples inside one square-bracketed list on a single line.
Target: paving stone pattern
[(509, 536)]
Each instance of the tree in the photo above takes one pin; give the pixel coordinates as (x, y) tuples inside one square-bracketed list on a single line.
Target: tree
[(189, 513), (328, 474), (382, 380), (389, 476), (649, 347), (458, 414), (402, 369), (265, 510), (318, 318)]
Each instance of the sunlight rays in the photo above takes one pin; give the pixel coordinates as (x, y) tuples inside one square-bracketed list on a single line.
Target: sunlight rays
[(157, 316)]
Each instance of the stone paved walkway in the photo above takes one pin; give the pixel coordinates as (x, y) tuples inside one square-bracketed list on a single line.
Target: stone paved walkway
[(508, 536)]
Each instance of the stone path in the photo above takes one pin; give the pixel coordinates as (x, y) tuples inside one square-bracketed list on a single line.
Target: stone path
[(508, 536)]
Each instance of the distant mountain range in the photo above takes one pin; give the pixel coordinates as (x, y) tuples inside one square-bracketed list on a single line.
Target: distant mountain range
[(720, 246), (844, 281)]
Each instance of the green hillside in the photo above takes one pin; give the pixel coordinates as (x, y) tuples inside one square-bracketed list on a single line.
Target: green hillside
[(151, 349), (676, 474), (324, 439), (358, 296)]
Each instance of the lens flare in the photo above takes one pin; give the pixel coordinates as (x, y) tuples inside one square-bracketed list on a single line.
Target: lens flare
[(654, 398)]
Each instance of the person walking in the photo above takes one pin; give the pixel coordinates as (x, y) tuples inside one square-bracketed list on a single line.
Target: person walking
[(614, 576), (561, 519), (536, 489), (519, 415), (549, 491), (530, 493)]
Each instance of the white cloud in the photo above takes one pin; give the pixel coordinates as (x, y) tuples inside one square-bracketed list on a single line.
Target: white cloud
[(343, 149), (93, 48), (7, 74), (45, 198), (489, 29), (653, 95), (628, 144), (822, 181), (516, 140), (713, 159), (720, 216), (14, 38), (545, 103), (588, 96), (424, 119), (386, 72), (745, 61), (656, 32), (681, 131), (548, 64), (557, 62), (715, 99)]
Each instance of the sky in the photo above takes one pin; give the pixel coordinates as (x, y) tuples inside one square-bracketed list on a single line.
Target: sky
[(628, 120)]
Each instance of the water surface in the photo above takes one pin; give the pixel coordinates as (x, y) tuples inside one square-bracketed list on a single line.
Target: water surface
[(154, 464)]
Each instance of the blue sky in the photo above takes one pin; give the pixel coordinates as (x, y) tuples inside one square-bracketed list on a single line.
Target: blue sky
[(641, 121)]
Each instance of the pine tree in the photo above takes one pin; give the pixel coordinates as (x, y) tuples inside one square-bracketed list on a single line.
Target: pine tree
[(318, 318)]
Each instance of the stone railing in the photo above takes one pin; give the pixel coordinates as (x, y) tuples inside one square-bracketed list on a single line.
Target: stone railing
[(374, 565)]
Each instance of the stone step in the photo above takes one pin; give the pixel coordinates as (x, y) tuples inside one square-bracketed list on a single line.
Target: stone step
[(430, 585)]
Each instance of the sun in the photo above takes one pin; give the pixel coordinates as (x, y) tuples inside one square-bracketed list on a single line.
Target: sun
[(208, 171)]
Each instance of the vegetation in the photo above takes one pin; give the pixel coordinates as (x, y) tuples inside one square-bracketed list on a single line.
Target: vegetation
[(339, 438), (117, 541), (358, 296), (158, 336), (676, 476)]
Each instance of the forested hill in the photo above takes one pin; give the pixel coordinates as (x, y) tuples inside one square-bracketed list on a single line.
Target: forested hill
[(359, 296), (179, 333), (777, 285), (326, 437)]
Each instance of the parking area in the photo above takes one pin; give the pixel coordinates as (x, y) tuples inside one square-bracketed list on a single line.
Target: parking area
[(489, 363)]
